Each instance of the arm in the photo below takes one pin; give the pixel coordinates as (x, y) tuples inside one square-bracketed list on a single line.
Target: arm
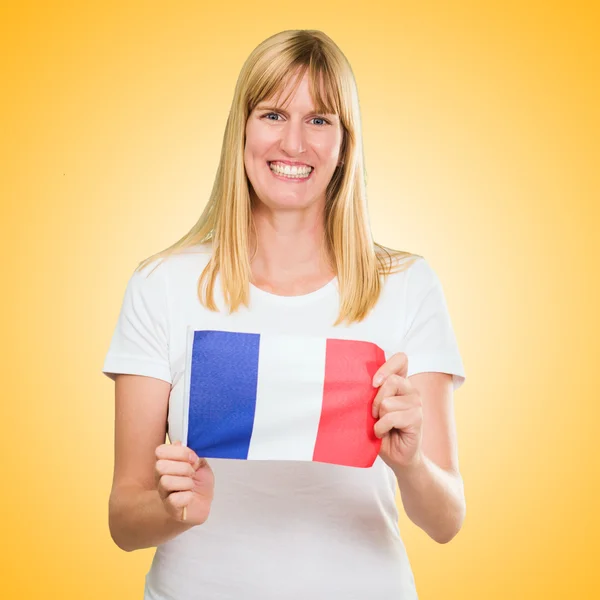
[(432, 489), (137, 516)]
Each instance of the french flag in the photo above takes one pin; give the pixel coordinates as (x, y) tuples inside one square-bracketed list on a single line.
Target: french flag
[(262, 396)]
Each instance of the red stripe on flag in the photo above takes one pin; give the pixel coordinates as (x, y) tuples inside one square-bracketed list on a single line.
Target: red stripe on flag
[(345, 435)]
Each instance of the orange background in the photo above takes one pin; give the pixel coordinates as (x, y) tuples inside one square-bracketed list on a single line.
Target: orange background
[(481, 137)]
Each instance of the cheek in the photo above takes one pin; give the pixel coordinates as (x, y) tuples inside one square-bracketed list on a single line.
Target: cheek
[(328, 148), (258, 140), (252, 141), (249, 144)]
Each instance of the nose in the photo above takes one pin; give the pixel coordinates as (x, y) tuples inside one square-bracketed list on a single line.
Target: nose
[(292, 137)]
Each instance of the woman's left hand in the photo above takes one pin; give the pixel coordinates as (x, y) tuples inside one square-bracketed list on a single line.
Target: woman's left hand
[(398, 408)]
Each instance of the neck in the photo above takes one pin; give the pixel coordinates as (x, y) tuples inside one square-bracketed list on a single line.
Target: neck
[(283, 249)]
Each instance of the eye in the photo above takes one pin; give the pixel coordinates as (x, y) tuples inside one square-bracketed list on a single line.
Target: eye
[(269, 114)]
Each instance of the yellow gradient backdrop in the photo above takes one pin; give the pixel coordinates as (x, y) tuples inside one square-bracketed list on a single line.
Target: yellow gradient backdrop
[(481, 142)]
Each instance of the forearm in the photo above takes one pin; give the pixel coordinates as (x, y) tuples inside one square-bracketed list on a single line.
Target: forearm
[(433, 498), (138, 519)]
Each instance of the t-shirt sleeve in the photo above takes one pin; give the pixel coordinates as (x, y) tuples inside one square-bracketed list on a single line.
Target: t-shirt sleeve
[(140, 341), (429, 341)]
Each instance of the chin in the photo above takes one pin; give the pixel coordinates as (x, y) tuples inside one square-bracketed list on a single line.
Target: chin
[(283, 201)]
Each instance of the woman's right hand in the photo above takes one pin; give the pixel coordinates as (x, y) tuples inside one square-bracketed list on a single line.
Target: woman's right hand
[(184, 480)]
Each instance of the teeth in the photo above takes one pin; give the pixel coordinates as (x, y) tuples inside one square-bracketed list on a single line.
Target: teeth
[(297, 172)]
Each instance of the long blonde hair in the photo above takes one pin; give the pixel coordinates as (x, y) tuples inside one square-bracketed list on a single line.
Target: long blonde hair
[(359, 262)]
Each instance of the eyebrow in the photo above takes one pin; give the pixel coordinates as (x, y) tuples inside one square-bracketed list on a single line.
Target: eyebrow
[(277, 109)]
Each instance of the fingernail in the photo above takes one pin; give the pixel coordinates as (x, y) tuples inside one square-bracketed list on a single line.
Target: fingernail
[(377, 380)]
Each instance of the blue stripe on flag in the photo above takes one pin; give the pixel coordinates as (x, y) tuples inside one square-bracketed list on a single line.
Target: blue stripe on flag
[(222, 398)]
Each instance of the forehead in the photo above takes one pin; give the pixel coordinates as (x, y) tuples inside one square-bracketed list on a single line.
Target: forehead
[(303, 93)]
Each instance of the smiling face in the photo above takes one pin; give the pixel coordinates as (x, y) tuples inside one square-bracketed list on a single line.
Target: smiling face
[(291, 154)]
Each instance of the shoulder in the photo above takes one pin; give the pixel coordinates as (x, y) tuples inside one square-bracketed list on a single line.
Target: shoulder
[(413, 270), (180, 262), (423, 282), (412, 279), (421, 274)]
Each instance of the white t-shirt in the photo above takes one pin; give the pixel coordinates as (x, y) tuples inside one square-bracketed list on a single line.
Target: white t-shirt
[(282, 529)]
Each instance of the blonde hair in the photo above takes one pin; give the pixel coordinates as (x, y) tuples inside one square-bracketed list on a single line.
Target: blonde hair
[(226, 220)]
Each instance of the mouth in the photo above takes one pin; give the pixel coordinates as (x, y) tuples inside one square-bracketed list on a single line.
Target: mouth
[(292, 175)]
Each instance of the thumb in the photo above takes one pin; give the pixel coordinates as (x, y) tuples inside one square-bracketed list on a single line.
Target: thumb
[(196, 461)]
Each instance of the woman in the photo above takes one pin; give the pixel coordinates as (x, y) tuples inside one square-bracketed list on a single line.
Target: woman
[(283, 246)]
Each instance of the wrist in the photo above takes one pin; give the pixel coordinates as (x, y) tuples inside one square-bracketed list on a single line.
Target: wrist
[(416, 465)]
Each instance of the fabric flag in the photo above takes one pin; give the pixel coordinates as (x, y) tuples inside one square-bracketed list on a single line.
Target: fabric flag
[(269, 396)]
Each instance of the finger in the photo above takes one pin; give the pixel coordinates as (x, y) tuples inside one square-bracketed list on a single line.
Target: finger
[(201, 462), (174, 467), (395, 403), (397, 363), (394, 385), (179, 500), (174, 451), (177, 451), (194, 459), (173, 483), (403, 420)]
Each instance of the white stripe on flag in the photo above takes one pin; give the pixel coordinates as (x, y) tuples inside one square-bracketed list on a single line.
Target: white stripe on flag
[(289, 396)]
